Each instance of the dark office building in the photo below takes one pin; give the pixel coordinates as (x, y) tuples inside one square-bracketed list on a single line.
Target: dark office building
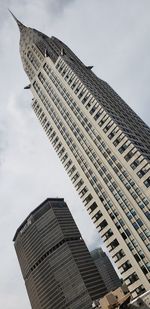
[(106, 269), (56, 265)]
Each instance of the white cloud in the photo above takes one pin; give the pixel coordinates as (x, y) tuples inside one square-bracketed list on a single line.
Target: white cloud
[(111, 35)]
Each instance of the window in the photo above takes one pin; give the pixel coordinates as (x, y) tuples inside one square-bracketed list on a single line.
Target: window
[(135, 226), (81, 94), (143, 237), (68, 164), (88, 199), (130, 154), (79, 184), (132, 278), (85, 99), (111, 135), (139, 221), (120, 254), (127, 265), (141, 253), (136, 163), (130, 246), (121, 222), (129, 215), (108, 234), (133, 212), (103, 224), (140, 290), (72, 170), (97, 216), (108, 126), (136, 256), (147, 182), (118, 140), (124, 236), (112, 216), (147, 214), (144, 270), (127, 232), (124, 147), (92, 207), (113, 244), (83, 191), (103, 120), (97, 115), (143, 171), (75, 177)]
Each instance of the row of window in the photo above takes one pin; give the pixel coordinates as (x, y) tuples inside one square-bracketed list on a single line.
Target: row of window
[(35, 62), (136, 225), (54, 80), (73, 104), (67, 118), (97, 216), (78, 85)]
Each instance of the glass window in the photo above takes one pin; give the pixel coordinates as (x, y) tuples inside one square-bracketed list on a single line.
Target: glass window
[(136, 162), (143, 171), (92, 207), (136, 226), (97, 216), (137, 257), (118, 139), (147, 182), (108, 234), (143, 237), (120, 254), (79, 184), (145, 271), (147, 214), (83, 191), (103, 224), (124, 147), (139, 221), (88, 199), (113, 244), (127, 265), (132, 278), (130, 154), (127, 232)]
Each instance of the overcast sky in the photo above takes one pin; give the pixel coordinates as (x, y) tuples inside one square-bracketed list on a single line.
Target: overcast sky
[(112, 35)]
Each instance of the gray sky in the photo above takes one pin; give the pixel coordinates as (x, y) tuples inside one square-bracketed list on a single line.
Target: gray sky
[(112, 35)]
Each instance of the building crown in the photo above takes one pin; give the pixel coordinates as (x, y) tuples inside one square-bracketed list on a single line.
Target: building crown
[(20, 25)]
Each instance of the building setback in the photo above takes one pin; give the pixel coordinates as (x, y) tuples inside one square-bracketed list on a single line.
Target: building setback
[(103, 145), (56, 265), (106, 269)]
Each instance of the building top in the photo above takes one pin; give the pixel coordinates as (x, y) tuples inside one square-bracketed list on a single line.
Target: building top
[(20, 25), (97, 253), (44, 206)]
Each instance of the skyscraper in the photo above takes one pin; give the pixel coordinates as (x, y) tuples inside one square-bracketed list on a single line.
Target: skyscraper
[(106, 269), (103, 145), (56, 265)]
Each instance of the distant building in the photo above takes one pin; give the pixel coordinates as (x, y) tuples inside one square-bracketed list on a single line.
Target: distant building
[(106, 269), (118, 299), (142, 301), (103, 145), (56, 265)]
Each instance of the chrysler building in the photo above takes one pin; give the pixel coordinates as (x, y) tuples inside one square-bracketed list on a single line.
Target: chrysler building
[(103, 145)]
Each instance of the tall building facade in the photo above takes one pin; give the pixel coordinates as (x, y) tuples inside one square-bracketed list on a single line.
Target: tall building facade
[(56, 265), (103, 145), (106, 269)]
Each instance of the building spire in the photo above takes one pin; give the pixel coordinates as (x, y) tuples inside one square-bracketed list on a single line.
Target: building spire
[(20, 25)]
